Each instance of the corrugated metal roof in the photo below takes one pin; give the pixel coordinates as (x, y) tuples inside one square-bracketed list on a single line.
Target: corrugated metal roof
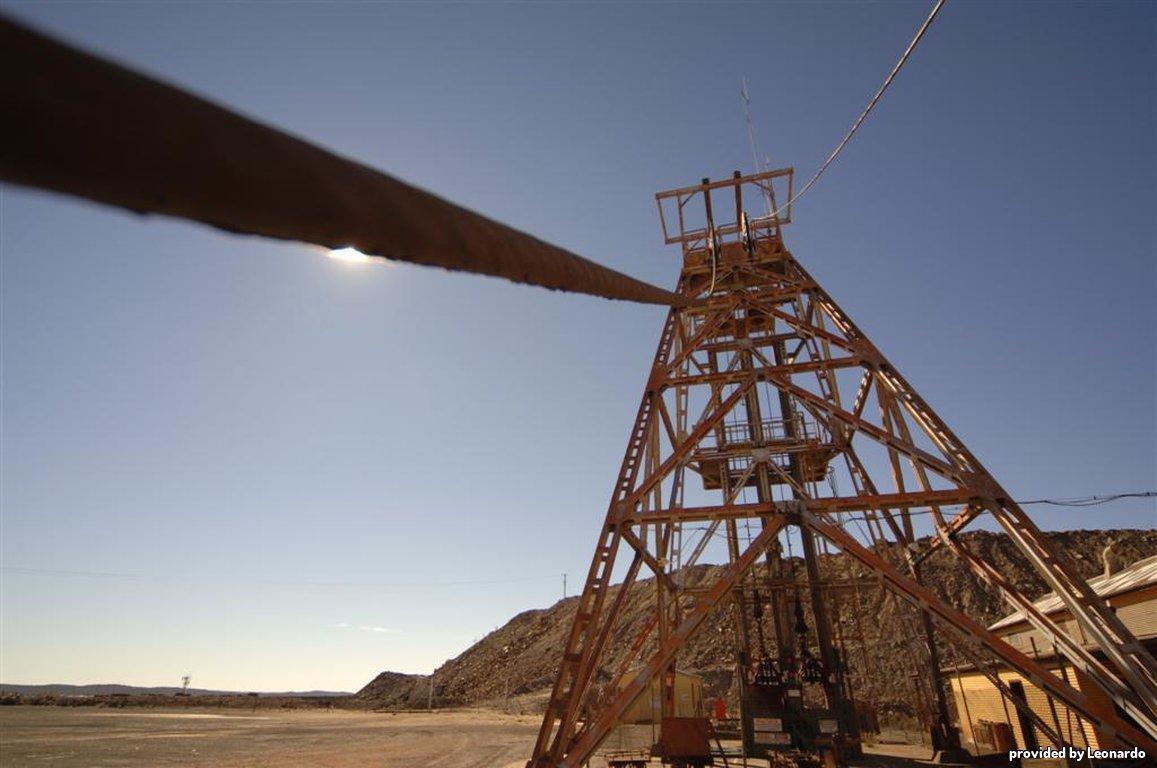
[(1140, 574)]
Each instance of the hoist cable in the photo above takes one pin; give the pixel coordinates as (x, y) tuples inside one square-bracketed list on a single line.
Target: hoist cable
[(864, 115)]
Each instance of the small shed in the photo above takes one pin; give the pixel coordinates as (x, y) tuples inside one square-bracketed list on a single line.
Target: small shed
[(989, 724), (646, 709)]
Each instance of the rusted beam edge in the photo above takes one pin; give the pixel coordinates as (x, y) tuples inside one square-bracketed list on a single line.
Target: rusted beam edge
[(608, 539), (804, 328), (987, 668), (703, 306), (1129, 700), (589, 739), (690, 346), (938, 466), (665, 419), (1088, 609), (83, 126), (738, 449), (861, 399), (623, 508), (860, 476), (886, 370), (730, 377), (927, 420), (652, 562), (925, 416), (634, 651), (548, 736), (550, 716), (692, 237), (826, 506), (949, 531), (628, 469), (1066, 645), (993, 677), (730, 181), (972, 631), (590, 654)]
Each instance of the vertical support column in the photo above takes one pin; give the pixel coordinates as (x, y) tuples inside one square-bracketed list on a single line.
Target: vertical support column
[(833, 689), (945, 735), (819, 612)]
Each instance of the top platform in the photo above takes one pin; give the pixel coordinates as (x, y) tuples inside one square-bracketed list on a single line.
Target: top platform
[(690, 215)]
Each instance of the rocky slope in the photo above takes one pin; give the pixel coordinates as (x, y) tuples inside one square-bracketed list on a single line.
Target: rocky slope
[(515, 664), (394, 690)]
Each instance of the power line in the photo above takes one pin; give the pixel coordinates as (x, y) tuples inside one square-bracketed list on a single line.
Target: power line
[(871, 105), (1091, 501), (1080, 501)]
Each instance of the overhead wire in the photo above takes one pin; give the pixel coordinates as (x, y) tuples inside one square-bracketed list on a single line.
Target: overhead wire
[(1083, 501), (1080, 501), (867, 110), (1091, 501)]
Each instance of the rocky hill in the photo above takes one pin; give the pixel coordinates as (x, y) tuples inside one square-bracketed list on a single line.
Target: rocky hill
[(395, 690), (514, 666)]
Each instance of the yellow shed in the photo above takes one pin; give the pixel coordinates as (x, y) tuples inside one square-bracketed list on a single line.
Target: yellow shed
[(987, 720), (688, 698)]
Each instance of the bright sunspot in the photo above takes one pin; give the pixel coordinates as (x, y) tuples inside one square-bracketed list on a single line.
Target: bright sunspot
[(348, 254)]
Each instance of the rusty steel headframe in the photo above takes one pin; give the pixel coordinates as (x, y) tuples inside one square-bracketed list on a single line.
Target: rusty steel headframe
[(77, 124), (764, 383)]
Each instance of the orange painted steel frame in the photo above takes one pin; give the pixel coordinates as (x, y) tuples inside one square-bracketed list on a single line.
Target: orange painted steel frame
[(759, 334)]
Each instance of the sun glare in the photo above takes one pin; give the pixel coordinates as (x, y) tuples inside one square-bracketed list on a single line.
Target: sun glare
[(352, 255)]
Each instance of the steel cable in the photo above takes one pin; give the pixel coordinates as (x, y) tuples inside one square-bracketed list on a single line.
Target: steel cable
[(863, 115)]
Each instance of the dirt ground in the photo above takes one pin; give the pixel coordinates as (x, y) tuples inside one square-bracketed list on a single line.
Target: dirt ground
[(89, 737), (82, 737)]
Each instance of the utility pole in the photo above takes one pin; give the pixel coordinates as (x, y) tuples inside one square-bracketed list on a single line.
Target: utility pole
[(564, 586)]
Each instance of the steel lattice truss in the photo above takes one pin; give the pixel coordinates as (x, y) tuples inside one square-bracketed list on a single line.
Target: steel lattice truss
[(763, 386)]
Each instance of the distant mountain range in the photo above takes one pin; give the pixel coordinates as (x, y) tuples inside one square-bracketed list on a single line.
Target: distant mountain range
[(107, 689)]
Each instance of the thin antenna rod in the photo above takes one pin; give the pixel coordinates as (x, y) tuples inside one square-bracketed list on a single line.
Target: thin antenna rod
[(759, 165), (746, 98)]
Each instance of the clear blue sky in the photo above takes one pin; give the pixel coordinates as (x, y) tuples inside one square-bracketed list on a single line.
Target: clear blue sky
[(235, 458)]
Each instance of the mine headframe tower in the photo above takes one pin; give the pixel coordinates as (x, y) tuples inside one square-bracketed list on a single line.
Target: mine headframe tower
[(769, 417)]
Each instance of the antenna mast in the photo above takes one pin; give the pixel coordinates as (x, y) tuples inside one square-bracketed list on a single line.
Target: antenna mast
[(759, 165)]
